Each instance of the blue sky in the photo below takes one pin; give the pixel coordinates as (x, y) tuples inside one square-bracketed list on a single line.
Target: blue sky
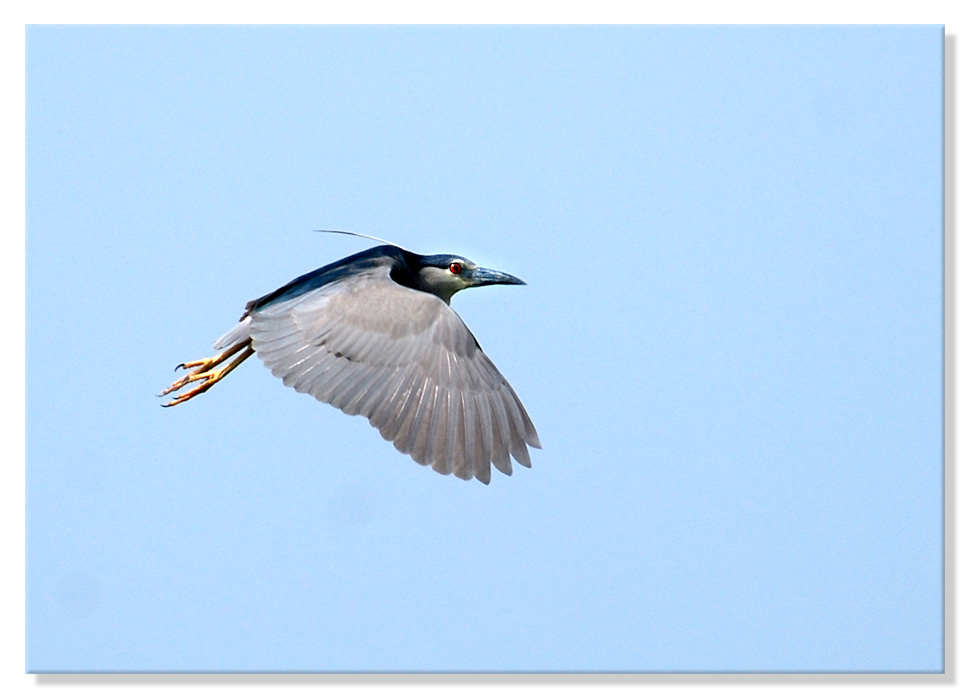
[(730, 344)]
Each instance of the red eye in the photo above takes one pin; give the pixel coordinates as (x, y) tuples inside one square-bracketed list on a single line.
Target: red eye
[(455, 268)]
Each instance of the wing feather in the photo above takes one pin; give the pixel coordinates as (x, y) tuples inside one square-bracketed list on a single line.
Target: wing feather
[(440, 460), (472, 438), (406, 419), (385, 414), (502, 435), (418, 430)]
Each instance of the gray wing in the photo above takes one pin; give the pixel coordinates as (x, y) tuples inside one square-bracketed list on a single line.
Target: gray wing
[(407, 362)]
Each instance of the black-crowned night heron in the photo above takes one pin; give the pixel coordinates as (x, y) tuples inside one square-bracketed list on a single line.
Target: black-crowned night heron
[(374, 335)]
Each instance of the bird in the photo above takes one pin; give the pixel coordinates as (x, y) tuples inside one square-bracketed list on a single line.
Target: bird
[(374, 334)]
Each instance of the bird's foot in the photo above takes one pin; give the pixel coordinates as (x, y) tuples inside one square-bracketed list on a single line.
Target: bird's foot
[(205, 378), (206, 372)]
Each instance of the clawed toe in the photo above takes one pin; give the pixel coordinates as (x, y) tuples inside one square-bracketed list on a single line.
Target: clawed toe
[(205, 372)]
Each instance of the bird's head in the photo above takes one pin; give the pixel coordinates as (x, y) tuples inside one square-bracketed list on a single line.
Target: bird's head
[(444, 275)]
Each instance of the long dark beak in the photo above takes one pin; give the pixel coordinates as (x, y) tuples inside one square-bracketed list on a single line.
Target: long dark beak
[(481, 276)]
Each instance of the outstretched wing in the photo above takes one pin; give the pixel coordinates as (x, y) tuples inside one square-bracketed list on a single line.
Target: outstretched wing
[(403, 359)]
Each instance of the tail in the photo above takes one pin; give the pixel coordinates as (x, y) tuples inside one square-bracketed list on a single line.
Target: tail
[(238, 334)]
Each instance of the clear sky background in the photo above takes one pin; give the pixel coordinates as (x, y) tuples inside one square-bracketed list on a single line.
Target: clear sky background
[(730, 345)]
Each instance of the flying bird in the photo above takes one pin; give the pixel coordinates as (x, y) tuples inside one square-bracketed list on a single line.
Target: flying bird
[(374, 335)]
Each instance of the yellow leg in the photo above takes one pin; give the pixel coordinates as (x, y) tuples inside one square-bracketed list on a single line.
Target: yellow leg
[(207, 372)]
